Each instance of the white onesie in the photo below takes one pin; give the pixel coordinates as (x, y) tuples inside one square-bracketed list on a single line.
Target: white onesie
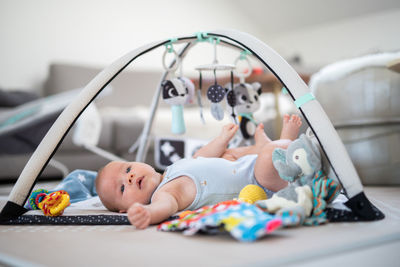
[(216, 179)]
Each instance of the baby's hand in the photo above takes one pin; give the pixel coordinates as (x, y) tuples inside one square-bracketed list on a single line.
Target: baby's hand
[(228, 131), (139, 216)]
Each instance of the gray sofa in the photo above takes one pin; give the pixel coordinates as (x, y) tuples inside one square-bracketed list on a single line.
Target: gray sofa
[(116, 136), (364, 108)]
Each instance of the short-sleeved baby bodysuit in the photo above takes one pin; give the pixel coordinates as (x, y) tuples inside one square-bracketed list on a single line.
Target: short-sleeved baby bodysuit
[(216, 179)]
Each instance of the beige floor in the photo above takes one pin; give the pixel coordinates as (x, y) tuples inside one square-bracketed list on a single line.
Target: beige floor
[(345, 244)]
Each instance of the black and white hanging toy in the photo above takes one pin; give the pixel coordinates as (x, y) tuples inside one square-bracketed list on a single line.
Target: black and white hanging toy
[(176, 91), (246, 99)]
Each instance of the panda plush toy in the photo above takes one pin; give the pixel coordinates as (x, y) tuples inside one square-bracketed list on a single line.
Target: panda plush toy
[(245, 99), (177, 92)]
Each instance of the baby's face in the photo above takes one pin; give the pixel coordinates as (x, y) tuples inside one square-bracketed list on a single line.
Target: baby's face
[(124, 183)]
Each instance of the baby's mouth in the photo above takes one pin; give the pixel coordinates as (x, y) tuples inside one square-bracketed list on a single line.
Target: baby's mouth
[(139, 182)]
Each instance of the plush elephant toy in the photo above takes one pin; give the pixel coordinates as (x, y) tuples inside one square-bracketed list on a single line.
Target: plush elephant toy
[(298, 165)]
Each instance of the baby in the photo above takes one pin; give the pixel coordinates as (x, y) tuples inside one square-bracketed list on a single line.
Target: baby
[(214, 174)]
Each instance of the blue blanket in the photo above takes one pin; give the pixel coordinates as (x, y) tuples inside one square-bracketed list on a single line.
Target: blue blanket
[(80, 185)]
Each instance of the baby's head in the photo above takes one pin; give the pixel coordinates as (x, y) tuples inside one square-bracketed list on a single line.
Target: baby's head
[(120, 184)]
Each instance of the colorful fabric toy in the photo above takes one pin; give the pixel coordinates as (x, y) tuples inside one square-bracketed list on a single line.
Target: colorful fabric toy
[(325, 191), (52, 204), (245, 222), (300, 165)]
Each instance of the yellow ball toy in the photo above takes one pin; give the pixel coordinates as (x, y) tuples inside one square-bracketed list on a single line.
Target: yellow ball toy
[(252, 193)]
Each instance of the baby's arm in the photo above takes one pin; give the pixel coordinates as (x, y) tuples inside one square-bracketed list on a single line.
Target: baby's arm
[(160, 209), (217, 147)]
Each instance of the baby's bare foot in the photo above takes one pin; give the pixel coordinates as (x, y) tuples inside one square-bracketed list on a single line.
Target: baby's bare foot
[(260, 138), (291, 127), (228, 131)]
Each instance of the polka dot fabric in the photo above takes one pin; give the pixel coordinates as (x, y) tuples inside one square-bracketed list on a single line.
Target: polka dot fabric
[(70, 220), (216, 93)]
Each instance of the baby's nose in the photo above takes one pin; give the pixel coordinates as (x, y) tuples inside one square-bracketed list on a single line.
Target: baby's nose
[(131, 176)]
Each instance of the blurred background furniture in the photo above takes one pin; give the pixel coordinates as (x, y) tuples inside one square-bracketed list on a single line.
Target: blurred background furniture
[(363, 105)]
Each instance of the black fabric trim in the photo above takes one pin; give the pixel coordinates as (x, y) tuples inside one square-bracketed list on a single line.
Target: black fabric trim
[(337, 215), (68, 220), (363, 208), (10, 211)]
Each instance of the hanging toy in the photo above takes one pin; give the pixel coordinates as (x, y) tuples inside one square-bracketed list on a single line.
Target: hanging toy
[(199, 102), (190, 88), (188, 84), (247, 102), (231, 98), (215, 93), (176, 92), (52, 204), (246, 99)]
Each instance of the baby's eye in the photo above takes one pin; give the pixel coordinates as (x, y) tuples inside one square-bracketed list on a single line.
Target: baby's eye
[(122, 188), (128, 170)]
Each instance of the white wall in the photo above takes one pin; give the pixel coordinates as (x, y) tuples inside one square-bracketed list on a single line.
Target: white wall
[(97, 32), (323, 44)]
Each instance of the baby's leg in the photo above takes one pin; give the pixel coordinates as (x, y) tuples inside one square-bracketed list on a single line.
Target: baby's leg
[(260, 140), (291, 126), (264, 170), (217, 147)]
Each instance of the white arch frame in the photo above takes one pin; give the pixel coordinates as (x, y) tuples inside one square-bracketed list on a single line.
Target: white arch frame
[(312, 111)]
